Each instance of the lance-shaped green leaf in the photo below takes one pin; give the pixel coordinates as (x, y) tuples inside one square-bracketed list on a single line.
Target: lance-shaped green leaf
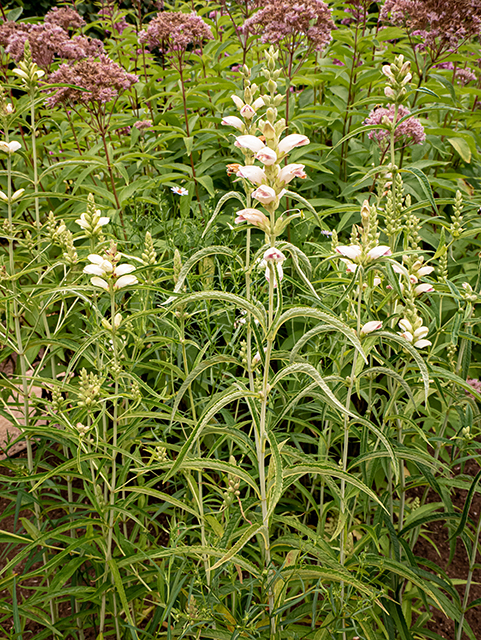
[(206, 364), (215, 406), (193, 260), (393, 374), (326, 469), (220, 204), (249, 533), (274, 474), (237, 301), (306, 203), (332, 321)]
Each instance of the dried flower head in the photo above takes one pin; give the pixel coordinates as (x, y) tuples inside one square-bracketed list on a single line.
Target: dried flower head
[(102, 80), (411, 129), (291, 21), (174, 31), (441, 24)]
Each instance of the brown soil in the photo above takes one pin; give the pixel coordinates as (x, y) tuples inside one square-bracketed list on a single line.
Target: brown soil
[(438, 553)]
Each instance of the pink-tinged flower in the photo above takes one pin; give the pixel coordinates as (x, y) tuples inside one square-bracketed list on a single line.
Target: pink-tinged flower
[(424, 271), (373, 325), (411, 128), (280, 272), (413, 279), (379, 251), (422, 344), (252, 173), (247, 112), (406, 325), (291, 171), (289, 22), (257, 104), (99, 282), (351, 251), (233, 121), (292, 141), (125, 281), (249, 142), (237, 101), (407, 335), (397, 268), (377, 281), (173, 32), (274, 254), (350, 266), (254, 217), (423, 288), (267, 156), (265, 194)]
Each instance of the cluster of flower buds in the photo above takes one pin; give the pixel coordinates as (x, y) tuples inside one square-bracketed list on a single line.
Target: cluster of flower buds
[(114, 325), (107, 274), (89, 388), (233, 484), (364, 247), (415, 333), (248, 106), (398, 76), (27, 69), (92, 221), (82, 429), (6, 108), (266, 183), (149, 256), (457, 219), (469, 294)]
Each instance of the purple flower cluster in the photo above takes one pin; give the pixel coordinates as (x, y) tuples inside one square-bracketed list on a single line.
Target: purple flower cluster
[(462, 76), (101, 80), (46, 41), (173, 31), (281, 20), (64, 17), (476, 384), (442, 24), (411, 129)]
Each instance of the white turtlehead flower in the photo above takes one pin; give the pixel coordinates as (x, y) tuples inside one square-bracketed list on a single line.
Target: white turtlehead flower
[(369, 327), (265, 194), (122, 269), (99, 221), (397, 268), (267, 156), (117, 320), (247, 112), (422, 344), (94, 270), (423, 288), (99, 282), (233, 121), (257, 104), (291, 171), (424, 271), (252, 173), (253, 216), (9, 108), (292, 141), (125, 281), (377, 281), (18, 194), (379, 251), (10, 147), (406, 325), (413, 279), (249, 142), (351, 251), (237, 101), (407, 335), (3, 196)]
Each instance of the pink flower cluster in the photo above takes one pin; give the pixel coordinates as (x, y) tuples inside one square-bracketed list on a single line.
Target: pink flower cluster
[(64, 17), (410, 128), (47, 41), (442, 24), (174, 31), (102, 81), (462, 76), (279, 20)]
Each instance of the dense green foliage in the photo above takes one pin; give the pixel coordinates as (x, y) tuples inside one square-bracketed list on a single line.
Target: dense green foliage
[(238, 428)]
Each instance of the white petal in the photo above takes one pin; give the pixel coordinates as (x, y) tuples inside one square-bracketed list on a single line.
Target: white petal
[(122, 269), (103, 221), (99, 282), (351, 251), (379, 251), (422, 344), (94, 270), (249, 142), (95, 258), (125, 281)]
